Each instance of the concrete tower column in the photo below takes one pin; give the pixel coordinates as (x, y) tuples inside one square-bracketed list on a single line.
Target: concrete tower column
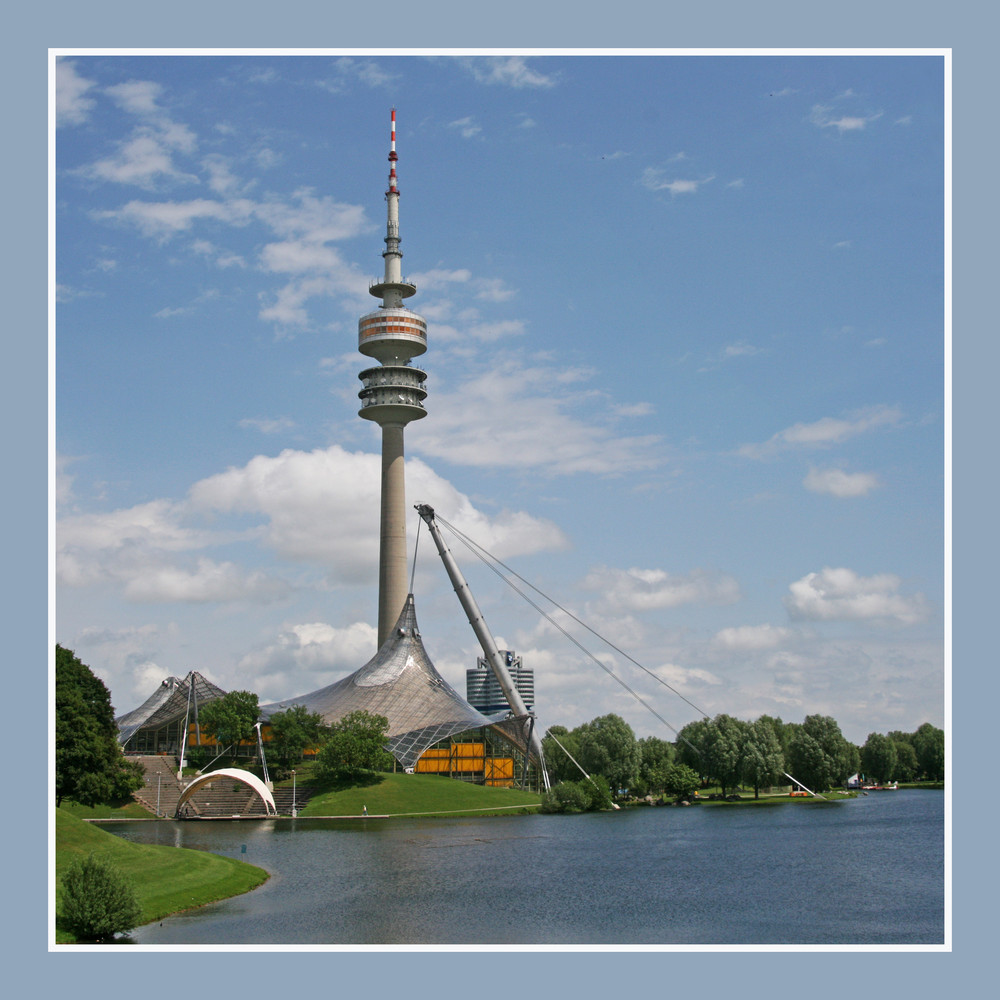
[(392, 396), (392, 587)]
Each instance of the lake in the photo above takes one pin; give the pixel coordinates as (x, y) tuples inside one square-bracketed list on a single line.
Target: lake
[(868, 870)]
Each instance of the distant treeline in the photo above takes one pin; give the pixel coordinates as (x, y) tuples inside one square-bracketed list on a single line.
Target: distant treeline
[(728, 752)]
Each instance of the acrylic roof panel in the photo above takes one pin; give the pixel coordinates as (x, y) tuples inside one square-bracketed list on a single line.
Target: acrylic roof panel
[(168, 702), (401, 683)]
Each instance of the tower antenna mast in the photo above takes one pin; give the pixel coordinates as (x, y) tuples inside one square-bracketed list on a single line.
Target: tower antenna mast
[(392, 395)]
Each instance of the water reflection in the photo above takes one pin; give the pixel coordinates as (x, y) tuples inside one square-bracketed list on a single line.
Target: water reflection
[(862, 871)]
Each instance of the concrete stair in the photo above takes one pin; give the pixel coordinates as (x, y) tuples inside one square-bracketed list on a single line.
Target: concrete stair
[(162, 787)]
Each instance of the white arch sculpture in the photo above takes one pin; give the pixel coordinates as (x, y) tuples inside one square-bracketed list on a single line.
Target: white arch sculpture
[(247, 777)]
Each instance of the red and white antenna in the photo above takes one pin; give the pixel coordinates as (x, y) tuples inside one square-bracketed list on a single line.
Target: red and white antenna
[(392, 155)]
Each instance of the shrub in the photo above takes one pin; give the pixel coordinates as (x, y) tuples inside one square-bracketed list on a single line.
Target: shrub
[(598, 792), (566, 797), (98, 901)]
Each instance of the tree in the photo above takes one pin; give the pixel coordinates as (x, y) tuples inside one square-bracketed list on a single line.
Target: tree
[(566, 797), (681, 781), (608, 746), (231, 719), (98, 902), (819, 756), (878, 758), (723, 747), (292, 731), (355, 743), (557, 761), (906, 760), (690, 745), (928, 742), (763, 760), (90, 766), (655, 756)]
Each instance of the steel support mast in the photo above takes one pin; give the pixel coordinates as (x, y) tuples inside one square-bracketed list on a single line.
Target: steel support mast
[(483, 634)]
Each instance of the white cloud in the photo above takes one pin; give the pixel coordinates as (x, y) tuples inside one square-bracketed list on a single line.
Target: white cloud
[(493, 290), (317, 220), (206, 581), (655, 179), (438, 278), (73, 106), (266, 425), (651, 589), (142, 160), (823, 117), (317, 508), (508, 71), (142, 550), (826, 431), (841, 484), (346, 70), (512, 416), (160, 220), (313, 653), (312, 508), (843, 595), (138, 97), (467, 126), (751, 637)]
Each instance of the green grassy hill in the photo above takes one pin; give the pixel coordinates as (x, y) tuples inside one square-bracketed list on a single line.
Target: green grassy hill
[(166, 879), (419, 794)]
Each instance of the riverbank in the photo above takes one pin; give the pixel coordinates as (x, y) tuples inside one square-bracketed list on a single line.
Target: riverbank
[(166, 879)]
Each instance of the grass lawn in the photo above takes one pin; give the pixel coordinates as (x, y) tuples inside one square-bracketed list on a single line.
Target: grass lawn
[(126, 809), (418, 794), (166, 879)]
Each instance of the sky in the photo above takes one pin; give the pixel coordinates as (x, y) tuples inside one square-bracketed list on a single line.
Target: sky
[(686, 372)]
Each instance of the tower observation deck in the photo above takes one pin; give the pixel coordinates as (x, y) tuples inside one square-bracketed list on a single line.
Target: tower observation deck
[(392, 395)]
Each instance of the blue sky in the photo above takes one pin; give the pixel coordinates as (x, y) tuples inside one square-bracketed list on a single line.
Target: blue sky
[(686, 370)]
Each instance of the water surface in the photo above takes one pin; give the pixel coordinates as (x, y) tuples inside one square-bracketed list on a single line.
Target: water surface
[(860, 871)]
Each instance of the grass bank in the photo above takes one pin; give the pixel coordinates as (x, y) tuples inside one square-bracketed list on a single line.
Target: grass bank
[(166, 879), (417, 795), (126, 809)]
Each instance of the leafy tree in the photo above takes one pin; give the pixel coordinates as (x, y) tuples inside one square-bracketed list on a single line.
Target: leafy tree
[(90, 766), (98, 902), (231, 719), (355, 743), (906, 761), (559, 766), (782, 730), (655, 756), (723, 747), (681, 781), (928, 742), (819, 755), (691, 743), (763, 759), (808, 763), (878, 758), (567, 797), (292, 731), (608, 746), (598, 792)]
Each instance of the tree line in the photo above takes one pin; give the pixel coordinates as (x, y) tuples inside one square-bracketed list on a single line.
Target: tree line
[(722, 751), (729, 753), (90, 767)]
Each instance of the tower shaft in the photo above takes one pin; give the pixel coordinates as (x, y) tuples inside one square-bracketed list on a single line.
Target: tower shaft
[(392, 396), (392, 588)]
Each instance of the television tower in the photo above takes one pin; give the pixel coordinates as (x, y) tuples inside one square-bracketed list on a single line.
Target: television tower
[(392, 396)]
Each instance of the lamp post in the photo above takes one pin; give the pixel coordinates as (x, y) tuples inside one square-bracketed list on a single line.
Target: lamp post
[(293, 794), (159, 778)]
